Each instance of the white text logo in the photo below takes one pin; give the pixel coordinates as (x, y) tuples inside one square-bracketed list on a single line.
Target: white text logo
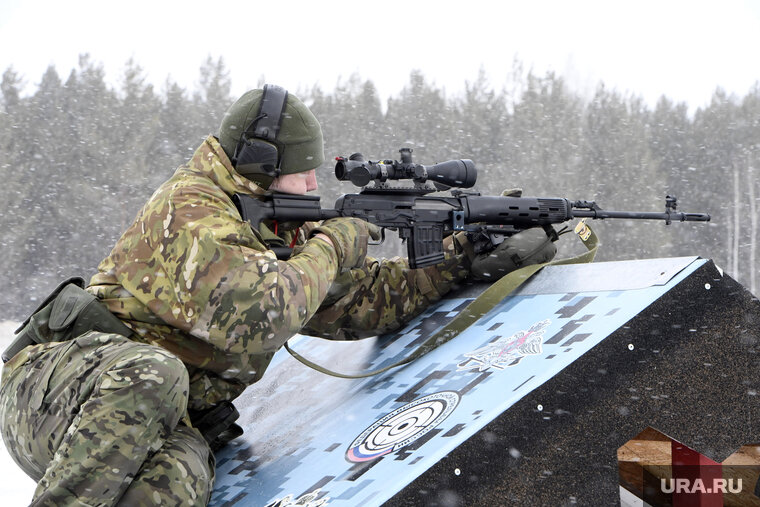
[(699, 486)]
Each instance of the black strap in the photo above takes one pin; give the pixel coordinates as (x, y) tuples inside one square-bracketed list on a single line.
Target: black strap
[(269, 120)]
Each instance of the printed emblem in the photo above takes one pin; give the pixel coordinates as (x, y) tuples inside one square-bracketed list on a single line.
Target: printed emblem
[(306, 500), (506, 352), (402, 426)]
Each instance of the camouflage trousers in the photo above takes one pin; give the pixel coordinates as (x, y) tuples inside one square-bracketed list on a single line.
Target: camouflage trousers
[(98, 420)]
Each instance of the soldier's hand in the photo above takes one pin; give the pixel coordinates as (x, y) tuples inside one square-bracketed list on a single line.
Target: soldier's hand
[(512, 192), (531, 246), (349, 237)]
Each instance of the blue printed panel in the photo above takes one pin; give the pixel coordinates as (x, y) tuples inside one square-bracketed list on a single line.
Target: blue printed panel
[(357, 442)]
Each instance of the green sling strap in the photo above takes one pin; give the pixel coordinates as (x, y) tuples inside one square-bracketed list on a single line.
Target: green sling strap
[(477, 308)]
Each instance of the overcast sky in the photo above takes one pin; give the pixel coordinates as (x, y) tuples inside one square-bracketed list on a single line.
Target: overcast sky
[(679, 48)]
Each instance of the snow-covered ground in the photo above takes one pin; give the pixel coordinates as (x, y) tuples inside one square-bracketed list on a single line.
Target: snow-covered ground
[(16, 488)]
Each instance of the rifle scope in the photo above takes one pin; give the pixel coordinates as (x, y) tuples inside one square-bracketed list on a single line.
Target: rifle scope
[(360, 172)]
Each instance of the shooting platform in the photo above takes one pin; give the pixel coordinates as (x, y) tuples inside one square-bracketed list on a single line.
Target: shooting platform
[(527, 406)]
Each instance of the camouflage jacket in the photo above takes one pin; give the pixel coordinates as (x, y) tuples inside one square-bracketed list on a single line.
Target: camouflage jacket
[(191, 276)]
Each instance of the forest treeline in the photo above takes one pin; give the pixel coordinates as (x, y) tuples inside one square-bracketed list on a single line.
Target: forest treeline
[(78, 158)]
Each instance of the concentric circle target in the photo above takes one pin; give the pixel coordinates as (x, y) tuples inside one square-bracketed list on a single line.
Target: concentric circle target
[(402, 426)]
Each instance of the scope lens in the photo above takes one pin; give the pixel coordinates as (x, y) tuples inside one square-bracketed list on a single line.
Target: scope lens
[(340, 170), (360, 176)]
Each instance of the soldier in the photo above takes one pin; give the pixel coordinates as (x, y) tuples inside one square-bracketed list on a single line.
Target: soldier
[(129, 411)]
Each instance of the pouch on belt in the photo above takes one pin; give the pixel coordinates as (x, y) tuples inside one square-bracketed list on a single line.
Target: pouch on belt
[(69, 311)]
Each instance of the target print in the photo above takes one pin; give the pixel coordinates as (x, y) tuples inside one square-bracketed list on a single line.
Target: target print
[(402, 426)]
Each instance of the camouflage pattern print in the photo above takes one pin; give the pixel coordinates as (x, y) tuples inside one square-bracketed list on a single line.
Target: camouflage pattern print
[(97, 421), (191, 276), (102, 418)]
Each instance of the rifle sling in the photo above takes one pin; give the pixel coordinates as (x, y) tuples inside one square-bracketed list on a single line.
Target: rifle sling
[(492, 296)]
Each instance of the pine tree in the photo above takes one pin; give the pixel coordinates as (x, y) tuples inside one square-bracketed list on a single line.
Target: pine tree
[(421, 119), (546, 138), (213, 97), (621, 172), (715, 134), (482, 126)]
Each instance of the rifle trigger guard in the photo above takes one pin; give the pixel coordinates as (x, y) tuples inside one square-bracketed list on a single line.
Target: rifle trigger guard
[(381, 240)]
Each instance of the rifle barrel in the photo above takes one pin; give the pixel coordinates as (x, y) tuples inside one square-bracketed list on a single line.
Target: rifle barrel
[(641, 215)]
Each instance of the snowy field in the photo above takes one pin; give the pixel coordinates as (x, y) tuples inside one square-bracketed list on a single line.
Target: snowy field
[(16, 488)]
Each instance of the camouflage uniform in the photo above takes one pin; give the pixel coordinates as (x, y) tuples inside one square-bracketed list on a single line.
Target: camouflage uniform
[(95, 420), (194, 282)]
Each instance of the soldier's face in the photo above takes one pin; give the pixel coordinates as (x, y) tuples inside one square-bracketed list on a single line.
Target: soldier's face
[(298, 183)]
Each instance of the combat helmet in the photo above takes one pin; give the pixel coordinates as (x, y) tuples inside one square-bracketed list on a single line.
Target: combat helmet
[(269, 132)]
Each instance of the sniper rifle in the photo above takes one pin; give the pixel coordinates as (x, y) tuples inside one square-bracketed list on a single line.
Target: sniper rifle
[(423, 220)]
